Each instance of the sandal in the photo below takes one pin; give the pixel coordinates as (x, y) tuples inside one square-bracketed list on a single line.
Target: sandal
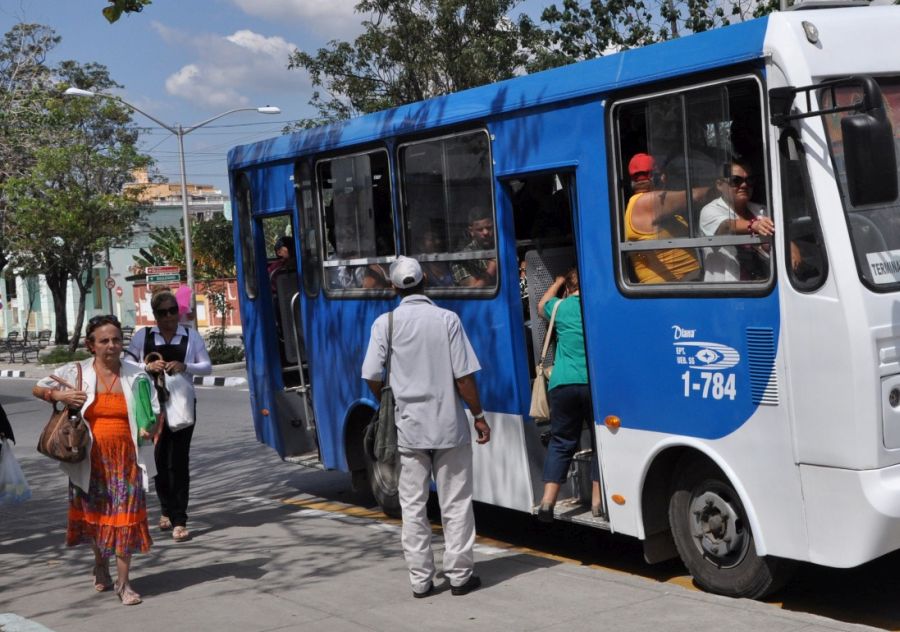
[(127, 595), (180, 534), (102, 580), (165, 524)]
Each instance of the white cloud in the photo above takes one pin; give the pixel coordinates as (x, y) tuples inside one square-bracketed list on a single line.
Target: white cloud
[(237, 70), (322, 13)]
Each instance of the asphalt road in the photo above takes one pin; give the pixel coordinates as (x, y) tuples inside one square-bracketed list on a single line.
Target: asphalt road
[(240, 485)]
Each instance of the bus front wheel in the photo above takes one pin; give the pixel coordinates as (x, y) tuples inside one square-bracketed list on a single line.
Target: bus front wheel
[(383, 481), (713, 536)]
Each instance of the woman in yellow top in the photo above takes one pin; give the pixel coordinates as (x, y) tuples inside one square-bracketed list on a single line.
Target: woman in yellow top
[(654, 214)]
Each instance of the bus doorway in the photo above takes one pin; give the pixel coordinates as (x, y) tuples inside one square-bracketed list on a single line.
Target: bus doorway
[(290, 388), (542, 206)]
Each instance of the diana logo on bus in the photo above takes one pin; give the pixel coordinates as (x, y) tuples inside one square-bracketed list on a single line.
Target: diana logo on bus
[(709, 355)]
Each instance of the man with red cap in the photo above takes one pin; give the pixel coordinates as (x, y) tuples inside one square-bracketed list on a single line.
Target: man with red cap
[(655, 214)]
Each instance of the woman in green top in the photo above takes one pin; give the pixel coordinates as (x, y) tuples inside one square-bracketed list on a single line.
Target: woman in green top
[(569, 394)]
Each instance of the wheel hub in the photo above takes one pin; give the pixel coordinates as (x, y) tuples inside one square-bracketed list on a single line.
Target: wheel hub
[(717, 529)]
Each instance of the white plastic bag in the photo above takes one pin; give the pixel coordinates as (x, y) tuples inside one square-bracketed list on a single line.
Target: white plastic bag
[(180, 407), (13, 487)]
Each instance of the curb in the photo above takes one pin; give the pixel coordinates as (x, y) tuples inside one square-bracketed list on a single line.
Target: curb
[(210, 380), (11, 373)]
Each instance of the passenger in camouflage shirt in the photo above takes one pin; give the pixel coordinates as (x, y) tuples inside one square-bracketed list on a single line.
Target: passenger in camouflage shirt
[(477, 272)]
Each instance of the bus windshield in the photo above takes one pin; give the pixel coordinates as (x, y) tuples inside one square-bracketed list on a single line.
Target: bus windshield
[(874, 228)]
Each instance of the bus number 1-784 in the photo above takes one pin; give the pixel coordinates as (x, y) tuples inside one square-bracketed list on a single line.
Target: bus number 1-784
[(711, 384)]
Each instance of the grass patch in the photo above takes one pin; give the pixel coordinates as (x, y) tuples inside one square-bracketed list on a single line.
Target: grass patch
[(60, 355)]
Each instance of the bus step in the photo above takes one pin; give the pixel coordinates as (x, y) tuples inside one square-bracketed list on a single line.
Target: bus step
[(308, 459), (571, 510)]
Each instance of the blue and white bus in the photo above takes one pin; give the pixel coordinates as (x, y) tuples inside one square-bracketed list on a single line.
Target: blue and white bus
[(741, 423)]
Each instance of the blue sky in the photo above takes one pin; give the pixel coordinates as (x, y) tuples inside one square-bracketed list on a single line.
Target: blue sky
[(184, 61)]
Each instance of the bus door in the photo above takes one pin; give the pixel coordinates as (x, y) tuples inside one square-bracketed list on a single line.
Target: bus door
[(289, 380), (545, 247)]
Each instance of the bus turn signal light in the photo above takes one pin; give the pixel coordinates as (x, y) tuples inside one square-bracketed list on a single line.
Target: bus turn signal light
[(612, 422), (264, 412), (619, 499)]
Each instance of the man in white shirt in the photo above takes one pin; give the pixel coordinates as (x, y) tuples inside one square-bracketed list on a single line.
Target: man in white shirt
[(734, 214), (432, 368)]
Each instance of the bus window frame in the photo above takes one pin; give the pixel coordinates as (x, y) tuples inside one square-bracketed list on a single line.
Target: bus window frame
[(450, 257), (618, 203), (245, 228), (324, 263), (311, 266)]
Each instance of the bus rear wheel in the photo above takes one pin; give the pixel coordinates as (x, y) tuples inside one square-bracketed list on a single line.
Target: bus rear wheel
[(383, 482), (713, 536)]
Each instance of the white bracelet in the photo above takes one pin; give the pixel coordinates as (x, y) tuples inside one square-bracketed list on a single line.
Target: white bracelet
[(478, 416)]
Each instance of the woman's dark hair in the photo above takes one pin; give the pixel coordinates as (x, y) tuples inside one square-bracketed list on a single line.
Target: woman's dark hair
[(161, 297), (572, 280), (99, 321)]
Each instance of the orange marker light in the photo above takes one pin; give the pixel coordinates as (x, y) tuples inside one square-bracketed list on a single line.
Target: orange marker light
[(612, 422), (618, 499), (264, 412)]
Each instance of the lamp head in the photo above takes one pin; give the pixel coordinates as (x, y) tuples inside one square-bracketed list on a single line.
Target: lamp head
[(78, 92), (269, 109)]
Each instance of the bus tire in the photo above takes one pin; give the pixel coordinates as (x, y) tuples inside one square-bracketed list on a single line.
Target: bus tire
[(713, 536), (383, 483)]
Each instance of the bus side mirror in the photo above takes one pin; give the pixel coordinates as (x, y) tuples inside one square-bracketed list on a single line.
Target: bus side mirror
[(870, 159)]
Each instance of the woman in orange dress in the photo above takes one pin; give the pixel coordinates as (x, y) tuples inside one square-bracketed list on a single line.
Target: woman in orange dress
[(107, 501)]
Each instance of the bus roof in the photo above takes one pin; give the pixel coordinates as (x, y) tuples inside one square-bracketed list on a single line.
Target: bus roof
[(703, 51)]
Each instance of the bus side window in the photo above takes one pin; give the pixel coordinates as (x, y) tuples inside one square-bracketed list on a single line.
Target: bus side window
[(357, 214), (446, 183), (248, 257), (692, 168), (805, 258), (309, 235)]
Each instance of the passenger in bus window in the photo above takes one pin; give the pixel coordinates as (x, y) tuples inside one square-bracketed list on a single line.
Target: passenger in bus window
[(284, 251), (733, 213), (477, 272), (432, 367), (655, 213), (437, 273)]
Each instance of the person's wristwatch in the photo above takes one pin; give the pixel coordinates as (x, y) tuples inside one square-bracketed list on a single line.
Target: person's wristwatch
[(59, 406)]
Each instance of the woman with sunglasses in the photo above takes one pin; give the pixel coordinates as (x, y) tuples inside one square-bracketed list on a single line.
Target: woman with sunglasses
[(735, 214), (179, 353), (107, 503)]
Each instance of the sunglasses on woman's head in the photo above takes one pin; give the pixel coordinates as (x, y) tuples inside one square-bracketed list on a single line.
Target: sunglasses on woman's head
[(166, 311)]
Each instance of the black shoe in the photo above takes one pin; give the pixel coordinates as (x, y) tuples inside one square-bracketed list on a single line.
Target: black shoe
[(545, 513), (473, 583), (425, 593)]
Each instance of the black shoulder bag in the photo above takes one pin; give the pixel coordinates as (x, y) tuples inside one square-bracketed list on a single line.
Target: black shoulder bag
[(381, 434)]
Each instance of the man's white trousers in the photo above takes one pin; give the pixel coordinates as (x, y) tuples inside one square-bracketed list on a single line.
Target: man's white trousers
[(452, 472)]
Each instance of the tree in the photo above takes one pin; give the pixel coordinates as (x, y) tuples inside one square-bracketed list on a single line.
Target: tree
[(24, 79), (213, 245), (580, 31), (413, 50), (114, 12), (68, 206)]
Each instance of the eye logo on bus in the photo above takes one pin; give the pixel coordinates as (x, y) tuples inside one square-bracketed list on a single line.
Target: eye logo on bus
[(707, 355)]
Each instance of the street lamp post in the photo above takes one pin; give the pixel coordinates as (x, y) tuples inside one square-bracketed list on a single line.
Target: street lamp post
[(180, 132)]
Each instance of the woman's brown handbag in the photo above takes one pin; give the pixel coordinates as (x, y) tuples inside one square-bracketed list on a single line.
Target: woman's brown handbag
[(540, 404), (65, 437)]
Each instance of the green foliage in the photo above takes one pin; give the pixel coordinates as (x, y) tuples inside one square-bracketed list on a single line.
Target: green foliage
[(166, 249), (213, 244), (118, 7), (219, 350), (61, 355), (412, 50), (584, 31)]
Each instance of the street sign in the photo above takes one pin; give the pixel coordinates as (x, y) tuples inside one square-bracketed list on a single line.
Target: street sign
[(110, 283), (163, 278), (118, 291), (162, 274)]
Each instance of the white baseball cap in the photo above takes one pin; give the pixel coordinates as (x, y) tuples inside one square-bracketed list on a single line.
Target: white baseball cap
[(405, 272)]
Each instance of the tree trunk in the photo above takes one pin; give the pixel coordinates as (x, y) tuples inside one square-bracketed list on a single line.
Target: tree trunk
[(79, 316), (56, 282)]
